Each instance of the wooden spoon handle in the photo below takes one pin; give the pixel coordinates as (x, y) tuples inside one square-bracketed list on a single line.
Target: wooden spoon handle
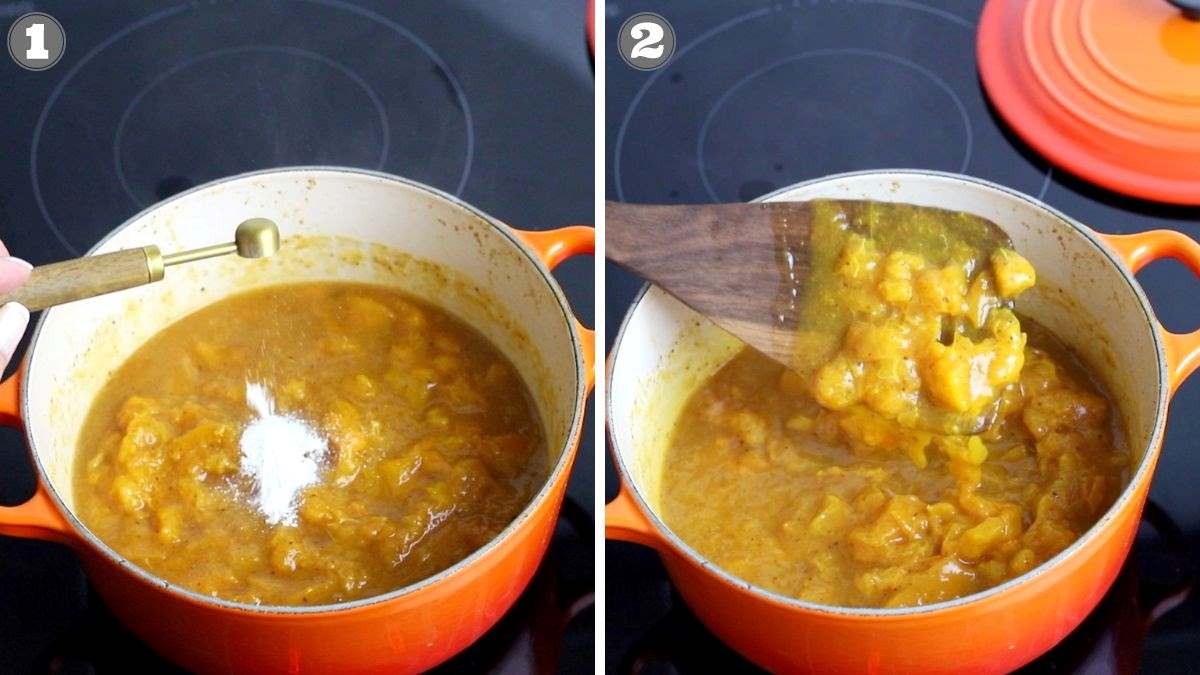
[(86, 277)]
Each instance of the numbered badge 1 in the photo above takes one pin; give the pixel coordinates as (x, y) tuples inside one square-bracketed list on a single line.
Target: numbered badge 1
[(36, 41), (647, 41)]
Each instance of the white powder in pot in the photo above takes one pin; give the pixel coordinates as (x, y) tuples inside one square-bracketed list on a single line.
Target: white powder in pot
[(282, 454)]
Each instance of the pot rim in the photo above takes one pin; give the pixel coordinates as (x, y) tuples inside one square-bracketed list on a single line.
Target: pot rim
[(566, 453), (1123, 501)]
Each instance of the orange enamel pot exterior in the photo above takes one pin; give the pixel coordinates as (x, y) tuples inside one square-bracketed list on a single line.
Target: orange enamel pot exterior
[(1000, 629), (408, 630)]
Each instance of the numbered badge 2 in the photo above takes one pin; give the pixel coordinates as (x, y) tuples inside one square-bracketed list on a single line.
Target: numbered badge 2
[(647, 41), (36, 41)]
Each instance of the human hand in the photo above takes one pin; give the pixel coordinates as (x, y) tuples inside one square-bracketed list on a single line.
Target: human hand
[(13, 317)]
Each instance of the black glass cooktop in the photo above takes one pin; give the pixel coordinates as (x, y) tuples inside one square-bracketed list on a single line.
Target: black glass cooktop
[(490, 101), (760, 95)]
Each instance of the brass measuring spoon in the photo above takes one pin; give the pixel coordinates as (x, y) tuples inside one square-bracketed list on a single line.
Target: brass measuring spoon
[(89, 276)]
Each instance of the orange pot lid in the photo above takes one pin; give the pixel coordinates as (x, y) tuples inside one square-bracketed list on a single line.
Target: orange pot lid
[(1107, 89)]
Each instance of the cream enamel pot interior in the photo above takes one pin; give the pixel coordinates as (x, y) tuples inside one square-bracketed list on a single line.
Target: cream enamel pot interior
[(1086, 294), (335, 224)]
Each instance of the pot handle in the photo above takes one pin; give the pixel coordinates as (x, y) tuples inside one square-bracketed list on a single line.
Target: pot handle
[(624, 521), (38, 517), (1137, 251), (554, 246)]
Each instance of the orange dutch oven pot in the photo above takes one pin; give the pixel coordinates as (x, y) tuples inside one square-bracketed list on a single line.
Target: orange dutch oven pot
[(496, 278), (1086, 294)]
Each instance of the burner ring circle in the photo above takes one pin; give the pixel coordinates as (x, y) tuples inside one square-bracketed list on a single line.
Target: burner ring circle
[(736, 21), (169, 12), (384, 122), (702, 138)]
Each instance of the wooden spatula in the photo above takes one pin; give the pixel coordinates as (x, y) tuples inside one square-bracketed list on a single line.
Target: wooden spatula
[(746, 266), (725, 261)]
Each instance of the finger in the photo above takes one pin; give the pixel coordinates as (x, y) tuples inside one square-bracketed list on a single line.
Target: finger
[(13, 272), (13, 320)]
